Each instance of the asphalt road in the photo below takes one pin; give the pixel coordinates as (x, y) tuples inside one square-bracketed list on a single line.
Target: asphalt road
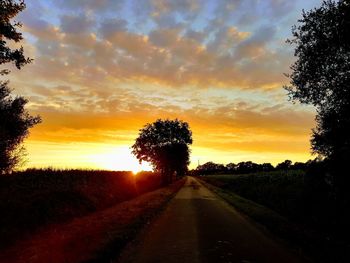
[(198, 226)]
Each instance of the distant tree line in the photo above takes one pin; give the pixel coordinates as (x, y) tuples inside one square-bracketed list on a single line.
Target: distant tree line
[(248, 167)]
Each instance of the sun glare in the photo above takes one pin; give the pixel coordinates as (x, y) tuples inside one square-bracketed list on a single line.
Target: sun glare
[(86, 156), (135, 171), (119, 159)]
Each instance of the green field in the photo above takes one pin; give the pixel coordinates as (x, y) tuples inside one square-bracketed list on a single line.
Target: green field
[(282, 191), (34, 198), (289, 204)]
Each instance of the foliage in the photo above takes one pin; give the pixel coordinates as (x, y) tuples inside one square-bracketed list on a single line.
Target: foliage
[(307, 210), (292, 193), (247, 167), (15, 122), (321, 74), (8, 31), (36, 197), (165, 144), (213, 168), (287, 164)]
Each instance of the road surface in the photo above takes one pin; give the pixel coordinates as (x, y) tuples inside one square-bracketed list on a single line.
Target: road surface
[(198, 226)]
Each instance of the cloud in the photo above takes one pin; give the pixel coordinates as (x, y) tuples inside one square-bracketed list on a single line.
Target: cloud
[(255, 45), (165, 11), (102, 69), (100, 5), (76, 24), (279, 8), (239, 123), (84, 47), (109, 26), (164, 37), (226, 40)]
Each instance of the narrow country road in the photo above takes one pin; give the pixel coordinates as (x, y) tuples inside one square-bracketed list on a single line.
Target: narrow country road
[(198, 226)]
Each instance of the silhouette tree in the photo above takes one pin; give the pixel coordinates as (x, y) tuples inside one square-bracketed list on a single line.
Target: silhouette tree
[(321, 77), (321, 73), (165, 144), (266, 167), (285, 165), (15, 122), (231, 167), (211, 168), (299, 166), (247, 167), (14, 119), (8, 31)]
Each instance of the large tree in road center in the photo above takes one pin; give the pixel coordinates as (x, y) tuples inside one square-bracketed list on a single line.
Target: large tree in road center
[(165, 144)]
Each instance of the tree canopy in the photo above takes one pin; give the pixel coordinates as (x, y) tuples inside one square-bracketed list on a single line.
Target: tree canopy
[(321, 74), (246, 167), (15, 121), (8, 31), (321, 77), (285, 165), (165, 144)]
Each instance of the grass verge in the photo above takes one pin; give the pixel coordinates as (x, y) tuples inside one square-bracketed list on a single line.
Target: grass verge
[(98, 237), (304, 242), (35, 198)]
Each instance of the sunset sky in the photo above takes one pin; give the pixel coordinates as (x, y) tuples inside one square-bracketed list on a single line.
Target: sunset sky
[(103, 69)]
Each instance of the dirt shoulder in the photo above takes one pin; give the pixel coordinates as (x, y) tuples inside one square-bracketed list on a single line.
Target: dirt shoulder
[(94, 238)]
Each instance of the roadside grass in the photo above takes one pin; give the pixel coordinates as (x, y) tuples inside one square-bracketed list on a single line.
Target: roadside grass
[(282, 191), (98, 237), (32, 199), (278, 201), (267, 218)]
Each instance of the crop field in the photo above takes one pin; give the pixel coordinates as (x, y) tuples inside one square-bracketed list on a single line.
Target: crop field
[(290, 193), (291, 205), (34, 198)]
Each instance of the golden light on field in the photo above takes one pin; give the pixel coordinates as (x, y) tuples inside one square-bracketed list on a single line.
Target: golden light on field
[(84, 155), (120, 159)]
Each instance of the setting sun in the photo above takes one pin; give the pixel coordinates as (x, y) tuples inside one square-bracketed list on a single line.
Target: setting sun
[(79, 155), (118, 158)]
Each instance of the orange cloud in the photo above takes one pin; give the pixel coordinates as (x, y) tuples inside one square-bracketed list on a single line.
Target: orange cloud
[(166, 55)]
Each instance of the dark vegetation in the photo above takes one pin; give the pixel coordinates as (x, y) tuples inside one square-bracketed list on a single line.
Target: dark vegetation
[(301, 196), (15, 120), (247, 167), (321, 77), (283, 191), (165, 144), (9, 32), (35, 198), (302, 242), (14, 128), (96, 237)]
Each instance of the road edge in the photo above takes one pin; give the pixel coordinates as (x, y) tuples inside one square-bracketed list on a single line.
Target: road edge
[(112, 251), (266, 220)]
